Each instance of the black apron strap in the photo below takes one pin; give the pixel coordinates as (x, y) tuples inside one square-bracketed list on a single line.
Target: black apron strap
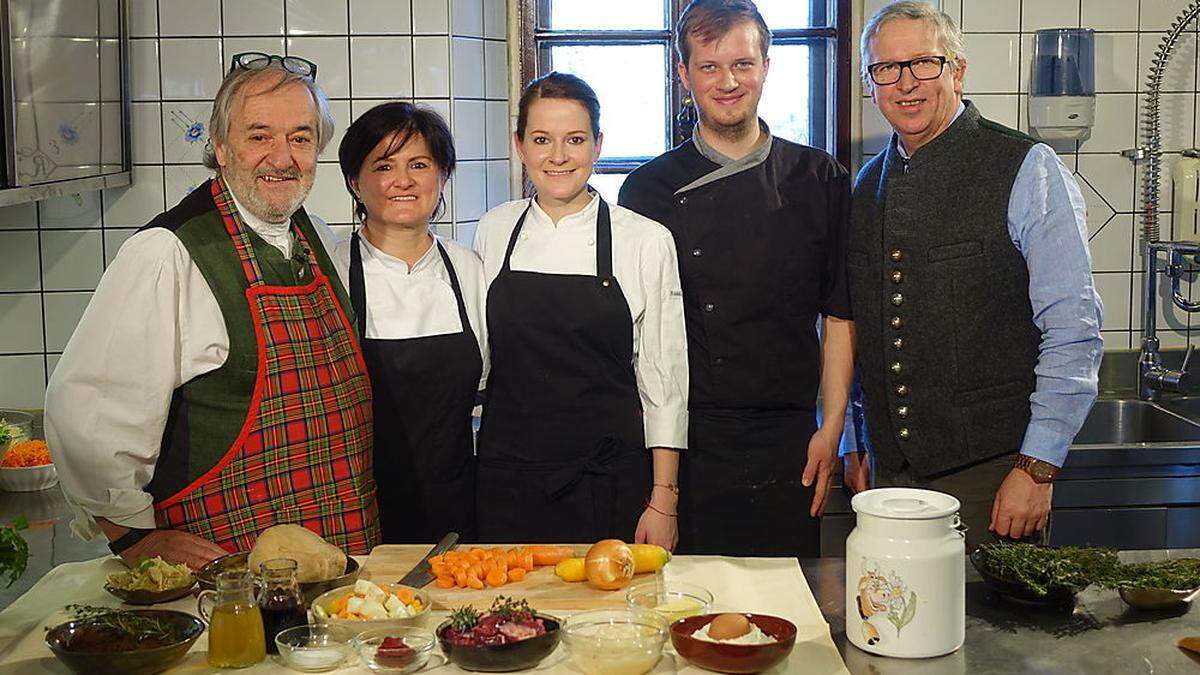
[(512, 240), (358, 289), (458, 294), (603, 244)]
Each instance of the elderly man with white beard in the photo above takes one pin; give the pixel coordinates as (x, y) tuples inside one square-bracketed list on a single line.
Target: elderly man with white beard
[(214, 386)]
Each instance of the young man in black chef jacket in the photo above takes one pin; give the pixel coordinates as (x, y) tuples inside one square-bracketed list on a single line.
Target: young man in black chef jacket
[(760, 226)]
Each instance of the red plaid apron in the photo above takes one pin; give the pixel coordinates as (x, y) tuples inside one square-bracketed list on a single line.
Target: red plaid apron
[(303, 455)]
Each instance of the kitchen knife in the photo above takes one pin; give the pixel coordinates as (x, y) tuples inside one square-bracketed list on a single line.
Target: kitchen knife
[(420, 575)]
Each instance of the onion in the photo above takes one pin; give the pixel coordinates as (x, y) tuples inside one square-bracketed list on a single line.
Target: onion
[(609, 564)]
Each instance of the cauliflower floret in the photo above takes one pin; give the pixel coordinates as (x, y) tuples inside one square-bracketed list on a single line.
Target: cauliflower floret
[(354, 605), (373, 610)]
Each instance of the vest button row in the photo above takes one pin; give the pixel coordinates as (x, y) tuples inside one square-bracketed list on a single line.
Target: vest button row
[(898, 343), (709, 307), (902, 412), (897, 276), (896, 322), (904, 433), (897, 299), (896, 368), (696, 253), (902, 390), (897, 255), (683, 200)]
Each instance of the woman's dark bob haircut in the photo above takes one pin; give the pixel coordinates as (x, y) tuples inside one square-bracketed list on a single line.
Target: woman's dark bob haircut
[(558, 85), (402, 121)]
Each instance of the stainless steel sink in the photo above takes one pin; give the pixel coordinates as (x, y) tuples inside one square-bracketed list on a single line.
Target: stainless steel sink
[(1131, 421)]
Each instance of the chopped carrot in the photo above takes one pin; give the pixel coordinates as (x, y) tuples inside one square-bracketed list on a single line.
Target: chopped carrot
[(405, 595), (435, 559), (339, 605), (460, 578), (497, 577), (474, 582), (445, 582), (516, 574)]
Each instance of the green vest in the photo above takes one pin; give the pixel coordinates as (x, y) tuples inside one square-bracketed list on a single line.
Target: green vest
[(209, 411)]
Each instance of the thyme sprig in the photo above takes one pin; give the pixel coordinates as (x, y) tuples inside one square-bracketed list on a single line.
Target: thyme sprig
[(123, 622), (1041, 568), (464, 618)]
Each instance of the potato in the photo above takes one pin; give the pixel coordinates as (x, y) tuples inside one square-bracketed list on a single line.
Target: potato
[(316, 559)]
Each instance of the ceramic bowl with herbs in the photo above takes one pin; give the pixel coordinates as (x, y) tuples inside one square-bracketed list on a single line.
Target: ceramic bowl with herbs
[(1157, 585), (1041, 575), (106, 641)]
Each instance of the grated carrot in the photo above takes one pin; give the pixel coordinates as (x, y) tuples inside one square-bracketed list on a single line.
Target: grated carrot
[(29, 453)]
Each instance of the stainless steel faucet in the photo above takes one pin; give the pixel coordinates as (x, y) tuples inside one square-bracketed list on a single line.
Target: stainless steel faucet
[(1153, 377)]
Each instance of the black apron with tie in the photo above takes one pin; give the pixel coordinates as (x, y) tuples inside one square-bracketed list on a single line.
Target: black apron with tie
[(424, 390), (562, 454)]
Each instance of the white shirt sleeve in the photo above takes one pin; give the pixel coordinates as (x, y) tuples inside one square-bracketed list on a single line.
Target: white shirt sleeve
[(662, 365), (152, 325)]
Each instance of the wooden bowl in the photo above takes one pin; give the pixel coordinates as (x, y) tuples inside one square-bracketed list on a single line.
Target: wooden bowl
[(731, 658)]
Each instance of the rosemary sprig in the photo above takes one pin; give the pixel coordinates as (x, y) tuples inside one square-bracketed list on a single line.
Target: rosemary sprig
[(464, 618), (1176, 575), (123, 622), (1041, 568)]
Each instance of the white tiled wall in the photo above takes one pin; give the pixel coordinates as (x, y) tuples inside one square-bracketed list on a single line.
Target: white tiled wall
[(999, 40), (448, 54)]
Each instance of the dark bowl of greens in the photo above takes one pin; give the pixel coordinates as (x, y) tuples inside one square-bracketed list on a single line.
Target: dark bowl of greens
[(1041, 575), (1156, 585), (105, 641)]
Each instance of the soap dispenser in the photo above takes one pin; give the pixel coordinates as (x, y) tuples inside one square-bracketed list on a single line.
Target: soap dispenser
[(1062, 93), (1186, 192)]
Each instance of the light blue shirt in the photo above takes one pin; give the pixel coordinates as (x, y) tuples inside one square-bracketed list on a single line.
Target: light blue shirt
[(1047, 222)]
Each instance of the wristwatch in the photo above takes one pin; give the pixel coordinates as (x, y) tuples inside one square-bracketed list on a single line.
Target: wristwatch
[(133, 536), (1039, 471)]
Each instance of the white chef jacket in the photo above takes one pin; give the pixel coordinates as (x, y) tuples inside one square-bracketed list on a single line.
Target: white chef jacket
[(404, 303), (152, 325), (645, 265)]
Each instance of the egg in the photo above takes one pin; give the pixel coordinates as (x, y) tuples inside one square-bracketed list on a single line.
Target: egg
[(728, 627)]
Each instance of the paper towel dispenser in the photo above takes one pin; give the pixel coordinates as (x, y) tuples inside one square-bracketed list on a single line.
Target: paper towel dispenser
[(1062, 93)]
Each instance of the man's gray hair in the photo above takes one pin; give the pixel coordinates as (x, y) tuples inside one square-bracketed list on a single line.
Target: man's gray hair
[(227, 95), (949, 37)]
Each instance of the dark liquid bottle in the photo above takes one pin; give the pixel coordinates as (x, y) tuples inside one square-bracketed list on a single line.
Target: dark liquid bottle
[(280, 600)]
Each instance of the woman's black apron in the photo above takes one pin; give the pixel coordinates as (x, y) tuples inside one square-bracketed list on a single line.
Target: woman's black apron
[(425, 388), (562, 455)]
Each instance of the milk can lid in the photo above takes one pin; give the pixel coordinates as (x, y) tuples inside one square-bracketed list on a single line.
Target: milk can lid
[(904, 503)]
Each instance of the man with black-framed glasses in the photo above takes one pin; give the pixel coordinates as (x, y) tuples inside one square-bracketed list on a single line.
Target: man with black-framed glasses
[(214, 386), (979, 325)]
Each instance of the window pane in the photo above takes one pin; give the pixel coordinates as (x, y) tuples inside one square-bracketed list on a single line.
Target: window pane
[(608, 185), (786, 13), (787, 97), (631, 83), (613, 15)]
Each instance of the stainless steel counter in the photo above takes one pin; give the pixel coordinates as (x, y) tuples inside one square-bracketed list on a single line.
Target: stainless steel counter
[(1100, 635)]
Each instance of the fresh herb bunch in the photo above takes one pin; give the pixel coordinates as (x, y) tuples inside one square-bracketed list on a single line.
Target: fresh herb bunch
[(510, 609), (123, 622), (1176, 575), (464, 618), (1042, 568), (14, 551)]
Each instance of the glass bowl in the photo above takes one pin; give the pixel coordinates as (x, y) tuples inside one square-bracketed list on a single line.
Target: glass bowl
[(673, 600), (615, 641), (314, 648), (418, 639)]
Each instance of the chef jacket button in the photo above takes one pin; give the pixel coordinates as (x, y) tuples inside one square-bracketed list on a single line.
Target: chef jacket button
[(591, 242), (897, 276), (902, 390), (897, 299), (683, 200), (896, 322), (696, 252), (897, 344), (708, 307), (896, 368), (897, 255), (904, 433), (902, 412), (606, 283)]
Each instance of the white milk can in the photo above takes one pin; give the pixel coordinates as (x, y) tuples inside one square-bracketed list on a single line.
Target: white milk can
[(905, 577)]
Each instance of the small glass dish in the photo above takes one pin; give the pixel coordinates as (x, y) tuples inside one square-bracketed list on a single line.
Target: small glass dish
[(626, 641), (417, 639), (314, 648), (673, 600)]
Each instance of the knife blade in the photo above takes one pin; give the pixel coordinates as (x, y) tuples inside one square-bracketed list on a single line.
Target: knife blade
[(419, 576)]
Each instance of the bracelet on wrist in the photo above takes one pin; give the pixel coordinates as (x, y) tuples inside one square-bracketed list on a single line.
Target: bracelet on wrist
[(669, 486), (658, 510)]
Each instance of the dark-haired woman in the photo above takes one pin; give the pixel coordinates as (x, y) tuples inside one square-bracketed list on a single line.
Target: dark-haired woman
[(587, 396), (418, 301)]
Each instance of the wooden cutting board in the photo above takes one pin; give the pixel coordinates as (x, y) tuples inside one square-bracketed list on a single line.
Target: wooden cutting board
[(544, 591)]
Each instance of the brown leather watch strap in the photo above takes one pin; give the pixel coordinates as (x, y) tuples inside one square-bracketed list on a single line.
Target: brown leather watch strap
[(1039, 471)]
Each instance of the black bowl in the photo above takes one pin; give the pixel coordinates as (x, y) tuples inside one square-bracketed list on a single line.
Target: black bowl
[(503, 658), (234, 562), (1056, 596), (150, 597), (60, 640)]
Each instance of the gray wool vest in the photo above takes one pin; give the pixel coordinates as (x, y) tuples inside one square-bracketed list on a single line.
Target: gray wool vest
[(946, 340)]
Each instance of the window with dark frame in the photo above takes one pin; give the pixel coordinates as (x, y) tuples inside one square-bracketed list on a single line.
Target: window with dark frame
[(625, 50)]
